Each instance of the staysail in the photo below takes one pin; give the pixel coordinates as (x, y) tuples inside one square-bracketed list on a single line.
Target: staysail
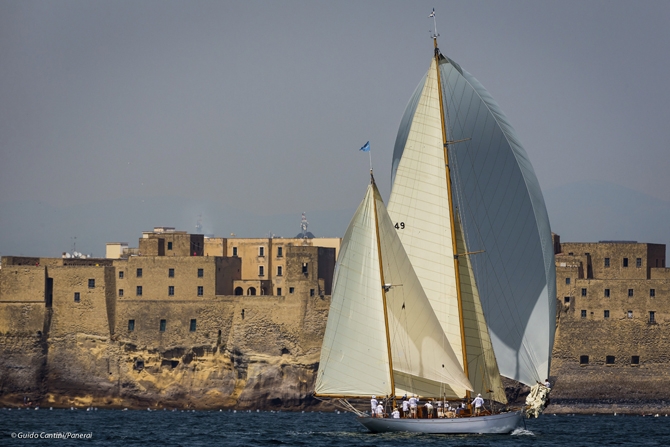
[(354, 355), (500, 215)]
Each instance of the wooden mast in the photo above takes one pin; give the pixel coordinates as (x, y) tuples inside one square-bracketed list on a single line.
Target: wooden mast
[(381, 275), (454, 244)]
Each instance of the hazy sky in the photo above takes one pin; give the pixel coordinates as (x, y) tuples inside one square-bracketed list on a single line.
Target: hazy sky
[(261, 106)]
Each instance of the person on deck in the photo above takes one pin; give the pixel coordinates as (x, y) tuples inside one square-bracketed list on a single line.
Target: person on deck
[(478, 402), (373, 405), (547, 384), (395, 414), (429, 410), (405, 408), (380, 411), (413, 403)]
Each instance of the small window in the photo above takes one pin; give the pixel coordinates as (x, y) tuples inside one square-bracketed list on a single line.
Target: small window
[(607, 314), (120, 274), (120, 292), (304, 268), (261, 270), (583, 292), (77, 297), (609, 360), (635, 360), (567, 280), (280, 270), (566, 299), (170, 273), (625, 262), (201, 291), (583, 359), (169, 245), (607, 293), (291, 289), (131, 325), (583, 313), (261, 251), (280, 252), (234, 251), (139, 273), (652, 316), (278, 291), (170, 290), (630, 314), (638, 262), (652, 292), (193, 323), (91, 283), (201, 273), (139, 291), (163, 325), (630, 292), (311, 292), (607, 262)]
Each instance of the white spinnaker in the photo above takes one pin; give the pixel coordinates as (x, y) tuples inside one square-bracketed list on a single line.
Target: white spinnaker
[(423, 361), (419, 203), (354, 355)]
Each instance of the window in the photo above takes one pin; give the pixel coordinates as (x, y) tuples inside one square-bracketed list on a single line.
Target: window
[(121, 274), (234, 251), (607, 293), (120, 292), (261, 251), (652, 316), (139, 291), (201, 291), (201, 273), (261, 270), (652, 292), (625, 262), (607, 262), (630, 314), (139, 273), (278, 291), (609, 360), (192, 328), (169, 245), (131, 325), (170, 273), (567, 280), (280, 252), (638, 262), (630, 292), (291, 289), (77, 297), (91, 283), (607, 314), (304, 268), (279, 270), (583, 359), (583, 314), (311, 292), (635, 360), (170, 290), (583, 292), (566, 299), (163, 325)]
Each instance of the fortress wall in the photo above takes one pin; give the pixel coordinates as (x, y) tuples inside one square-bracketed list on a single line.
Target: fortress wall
[(22, 283)]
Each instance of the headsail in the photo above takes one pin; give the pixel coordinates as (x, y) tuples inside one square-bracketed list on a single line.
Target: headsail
[(354, 356), (500, 210)]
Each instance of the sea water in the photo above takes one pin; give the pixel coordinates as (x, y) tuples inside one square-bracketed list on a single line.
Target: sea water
[(91, 427)]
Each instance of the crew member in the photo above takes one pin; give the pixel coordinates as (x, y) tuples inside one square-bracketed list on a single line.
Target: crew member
[(478, 402)]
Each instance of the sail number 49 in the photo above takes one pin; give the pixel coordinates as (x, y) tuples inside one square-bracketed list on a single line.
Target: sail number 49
[(400, 225)]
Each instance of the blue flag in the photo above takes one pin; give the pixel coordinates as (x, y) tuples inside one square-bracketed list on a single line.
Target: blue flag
[(366, 147)]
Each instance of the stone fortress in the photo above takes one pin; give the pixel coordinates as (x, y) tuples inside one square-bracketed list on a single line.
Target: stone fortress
[(187, 321)]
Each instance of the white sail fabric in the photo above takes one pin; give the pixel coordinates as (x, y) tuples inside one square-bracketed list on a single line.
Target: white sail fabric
[(502, 212), (354, 355), (423, 361)]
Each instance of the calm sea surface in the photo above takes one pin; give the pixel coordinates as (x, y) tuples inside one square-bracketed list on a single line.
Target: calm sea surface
[(228, 428)]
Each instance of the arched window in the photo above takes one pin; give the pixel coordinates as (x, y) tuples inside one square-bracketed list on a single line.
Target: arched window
[(251, 291), (239, 291)]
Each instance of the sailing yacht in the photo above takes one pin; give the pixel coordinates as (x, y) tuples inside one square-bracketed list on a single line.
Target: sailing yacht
[(454, 285)]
